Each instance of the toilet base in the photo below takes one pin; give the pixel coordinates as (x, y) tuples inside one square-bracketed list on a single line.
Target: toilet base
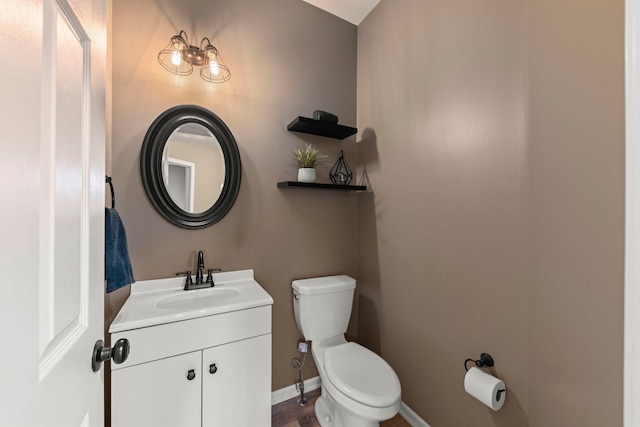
[(324, 416), (329, 415)]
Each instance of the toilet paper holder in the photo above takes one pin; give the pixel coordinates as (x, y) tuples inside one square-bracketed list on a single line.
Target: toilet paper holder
[(485, 361), (488, 389)]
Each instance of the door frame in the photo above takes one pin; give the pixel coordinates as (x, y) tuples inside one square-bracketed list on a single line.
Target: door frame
[(632, 216), (189, 170)]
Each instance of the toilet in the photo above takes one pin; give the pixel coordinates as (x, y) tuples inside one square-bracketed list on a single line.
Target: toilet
[(359, 388)]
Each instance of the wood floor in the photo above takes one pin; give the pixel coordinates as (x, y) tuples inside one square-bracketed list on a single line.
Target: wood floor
[(290, 414)]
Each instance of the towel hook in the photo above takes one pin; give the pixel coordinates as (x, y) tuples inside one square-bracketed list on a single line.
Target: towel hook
[(107, 179)]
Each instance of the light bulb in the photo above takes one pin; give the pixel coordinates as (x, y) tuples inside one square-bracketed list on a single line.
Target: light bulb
[(176, 59), (213, 66)]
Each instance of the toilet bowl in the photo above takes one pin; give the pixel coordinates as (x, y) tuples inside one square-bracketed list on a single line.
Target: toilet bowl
[(359, 388)]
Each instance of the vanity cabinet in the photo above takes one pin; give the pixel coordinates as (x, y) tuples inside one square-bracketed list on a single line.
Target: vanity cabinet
[(239, 373), (207, 371), (158, 393)]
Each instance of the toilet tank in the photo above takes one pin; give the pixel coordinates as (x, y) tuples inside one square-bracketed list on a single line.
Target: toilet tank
[(322, 305)]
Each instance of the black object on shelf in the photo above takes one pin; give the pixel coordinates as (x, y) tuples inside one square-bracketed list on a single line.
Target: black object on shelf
[(321, 128), (321, 186), (341, 172), (325, 116)]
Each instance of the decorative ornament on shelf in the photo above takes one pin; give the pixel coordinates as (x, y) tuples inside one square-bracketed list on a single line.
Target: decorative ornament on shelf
[(340, 173), (307, 160)]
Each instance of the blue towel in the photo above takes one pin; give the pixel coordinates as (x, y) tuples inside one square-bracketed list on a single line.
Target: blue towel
[(116, 254)]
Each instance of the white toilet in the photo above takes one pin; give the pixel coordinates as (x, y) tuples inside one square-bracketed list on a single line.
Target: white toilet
[(359, 389)]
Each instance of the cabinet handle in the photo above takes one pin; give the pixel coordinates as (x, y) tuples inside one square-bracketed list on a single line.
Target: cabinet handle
[(213, 368), (191, 374)]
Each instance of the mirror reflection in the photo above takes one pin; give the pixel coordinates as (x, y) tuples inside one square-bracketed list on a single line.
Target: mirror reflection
[(193, 168)]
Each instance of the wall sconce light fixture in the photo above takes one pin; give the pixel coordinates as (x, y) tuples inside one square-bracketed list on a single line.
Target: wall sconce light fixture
[(179, 57)]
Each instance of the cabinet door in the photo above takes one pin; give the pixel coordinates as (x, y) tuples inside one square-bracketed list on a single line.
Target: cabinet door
[(238, 393), (158, 394)]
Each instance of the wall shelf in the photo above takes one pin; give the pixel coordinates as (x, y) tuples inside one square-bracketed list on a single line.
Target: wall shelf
[(321, 186), (318, 127)]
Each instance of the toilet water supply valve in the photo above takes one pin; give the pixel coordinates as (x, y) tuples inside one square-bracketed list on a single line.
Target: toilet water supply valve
[(298, 365)]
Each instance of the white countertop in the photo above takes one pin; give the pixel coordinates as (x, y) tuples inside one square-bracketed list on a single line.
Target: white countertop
[(141, 308)]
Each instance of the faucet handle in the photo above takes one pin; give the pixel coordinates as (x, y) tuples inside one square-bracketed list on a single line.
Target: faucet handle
[(210, 275), (189, 281)]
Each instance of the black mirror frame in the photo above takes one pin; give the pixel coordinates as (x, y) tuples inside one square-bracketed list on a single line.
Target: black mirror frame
[(151, 166)]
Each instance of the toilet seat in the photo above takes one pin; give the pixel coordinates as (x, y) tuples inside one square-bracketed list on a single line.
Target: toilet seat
[(362, 375)]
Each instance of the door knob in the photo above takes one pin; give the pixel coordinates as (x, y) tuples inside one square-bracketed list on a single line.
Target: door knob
[(191, 374), (213, 368), (119, 353)]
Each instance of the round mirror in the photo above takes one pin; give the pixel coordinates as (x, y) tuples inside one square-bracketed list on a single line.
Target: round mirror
[(190, 166), (193, 168)]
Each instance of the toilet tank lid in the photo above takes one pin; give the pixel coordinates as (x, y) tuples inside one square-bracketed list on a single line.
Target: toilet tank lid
[(323, 285)]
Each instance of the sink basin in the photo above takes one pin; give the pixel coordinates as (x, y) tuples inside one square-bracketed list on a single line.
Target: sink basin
[(159, 301), (195, 300)]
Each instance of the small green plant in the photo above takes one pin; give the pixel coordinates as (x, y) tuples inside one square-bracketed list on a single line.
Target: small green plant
[(309, 157)]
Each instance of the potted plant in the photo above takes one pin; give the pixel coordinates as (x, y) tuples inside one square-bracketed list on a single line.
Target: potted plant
[(308, 159)]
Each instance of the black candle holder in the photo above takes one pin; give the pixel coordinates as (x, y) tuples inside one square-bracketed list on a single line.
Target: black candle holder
[(340, 173)]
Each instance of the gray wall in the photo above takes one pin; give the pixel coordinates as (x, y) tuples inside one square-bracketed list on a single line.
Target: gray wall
[(491, 133), (576, 247), (287, 58), (492, 136)]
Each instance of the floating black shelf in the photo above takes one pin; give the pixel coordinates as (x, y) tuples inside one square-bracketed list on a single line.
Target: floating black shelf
[(321, 186), (318, 127)]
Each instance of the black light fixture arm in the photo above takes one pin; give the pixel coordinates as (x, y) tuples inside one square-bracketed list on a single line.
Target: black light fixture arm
[(485, 361), (203, 45)]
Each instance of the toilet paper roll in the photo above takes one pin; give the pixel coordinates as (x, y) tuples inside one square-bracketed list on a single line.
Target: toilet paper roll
[(486, 388)]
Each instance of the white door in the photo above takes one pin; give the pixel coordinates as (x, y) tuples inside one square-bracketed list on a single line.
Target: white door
[(52, 148)]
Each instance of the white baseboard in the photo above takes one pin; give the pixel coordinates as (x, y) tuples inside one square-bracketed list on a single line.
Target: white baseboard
[(279, 396), (411, 417)]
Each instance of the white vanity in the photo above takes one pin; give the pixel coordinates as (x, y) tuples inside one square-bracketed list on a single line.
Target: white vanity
[(197, 358)]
